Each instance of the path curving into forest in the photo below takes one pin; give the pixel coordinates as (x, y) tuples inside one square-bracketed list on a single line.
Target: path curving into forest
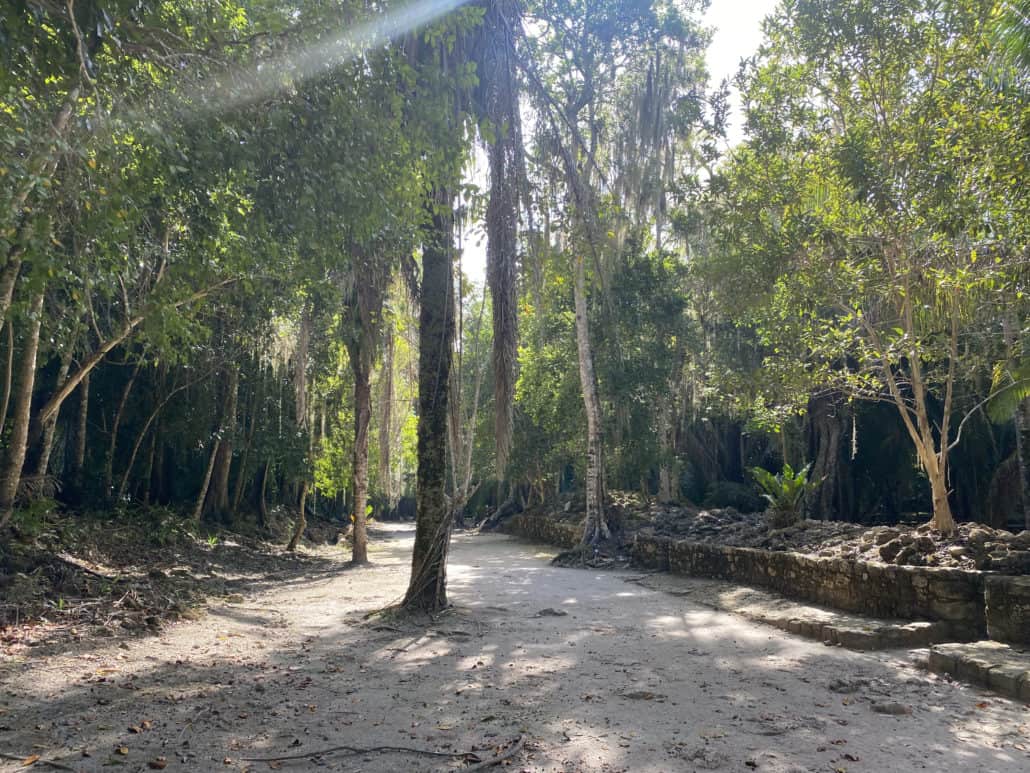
[(627, 679)]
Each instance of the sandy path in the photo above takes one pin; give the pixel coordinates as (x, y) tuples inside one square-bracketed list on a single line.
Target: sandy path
[(629, 679)]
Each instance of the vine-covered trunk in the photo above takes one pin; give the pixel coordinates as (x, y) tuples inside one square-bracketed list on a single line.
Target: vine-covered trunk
[(502, 213), (18, 441), (596, 525), (826, 425), (427, 589), (362, 417)]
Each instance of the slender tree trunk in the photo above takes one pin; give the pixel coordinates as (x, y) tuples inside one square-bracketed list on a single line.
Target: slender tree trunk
[(262, 493), (1021, 429), (10, 477), (386, 420), (148, 468), (8, 376), (300, 369), (142, 434), (302, 521), (50, 427), (86, 366), (198, 510), (218, 504), (115, 425), (241, 475), (79, 464), (427, 589), (667, 442), (1009, 328), (362, 416), (596, 526)]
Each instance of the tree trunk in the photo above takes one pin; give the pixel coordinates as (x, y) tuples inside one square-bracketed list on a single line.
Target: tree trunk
[(88, 363), (262, 492), (8, 375), (386, 421), (241, 474), (502, 108), (18, 442), (302, 521), (50, 427), (218, 504), (1024, 488), (115, 424), (826, 425), (198, 511), (300, 369), (668, 477), (596, 526), (141, 436), (362, 416), (427, 589), (148, 473), (1009, 328), (79, 464), (943, 520)]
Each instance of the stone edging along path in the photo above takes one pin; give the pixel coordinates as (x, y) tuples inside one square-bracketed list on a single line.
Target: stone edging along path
[(943, 605), (973, 604)]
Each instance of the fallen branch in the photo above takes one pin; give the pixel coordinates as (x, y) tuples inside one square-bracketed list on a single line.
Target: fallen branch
[(351, 751), (512, 750), (22, 758)]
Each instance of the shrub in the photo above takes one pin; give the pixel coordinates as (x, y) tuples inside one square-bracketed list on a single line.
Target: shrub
[(784, 492)]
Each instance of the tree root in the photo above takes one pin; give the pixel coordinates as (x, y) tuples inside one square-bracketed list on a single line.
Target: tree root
[(511, 751), (352, 751), (49, 763)]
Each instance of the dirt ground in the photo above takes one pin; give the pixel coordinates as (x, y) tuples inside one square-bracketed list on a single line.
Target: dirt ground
[(597, 674)]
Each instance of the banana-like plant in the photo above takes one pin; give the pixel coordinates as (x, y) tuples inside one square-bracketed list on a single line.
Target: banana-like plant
[(784, 492)]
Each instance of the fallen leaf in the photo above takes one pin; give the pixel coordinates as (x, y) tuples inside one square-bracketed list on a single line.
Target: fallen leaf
[(31, 760), (123, 750), (158, 763)]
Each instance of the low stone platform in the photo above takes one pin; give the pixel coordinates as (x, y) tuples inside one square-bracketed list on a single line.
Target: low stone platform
[(990, 664), (813, 622)]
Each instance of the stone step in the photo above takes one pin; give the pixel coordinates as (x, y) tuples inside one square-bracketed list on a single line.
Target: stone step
[(999, 667), (829, 626)]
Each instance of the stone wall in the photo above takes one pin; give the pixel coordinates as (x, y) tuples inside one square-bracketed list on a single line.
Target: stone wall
[(902, 592), (978, 604), (1008, 608), (543, 529)]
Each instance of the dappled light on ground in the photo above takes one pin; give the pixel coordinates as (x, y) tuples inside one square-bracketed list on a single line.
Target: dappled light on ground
[(639, 682)]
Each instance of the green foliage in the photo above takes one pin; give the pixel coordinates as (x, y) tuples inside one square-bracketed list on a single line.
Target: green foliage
[(1009, 388), (784, 492), (31, 520)]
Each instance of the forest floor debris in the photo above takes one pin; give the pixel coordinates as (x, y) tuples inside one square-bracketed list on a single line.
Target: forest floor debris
[(972, 546), (630, 679), (87, 576)]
